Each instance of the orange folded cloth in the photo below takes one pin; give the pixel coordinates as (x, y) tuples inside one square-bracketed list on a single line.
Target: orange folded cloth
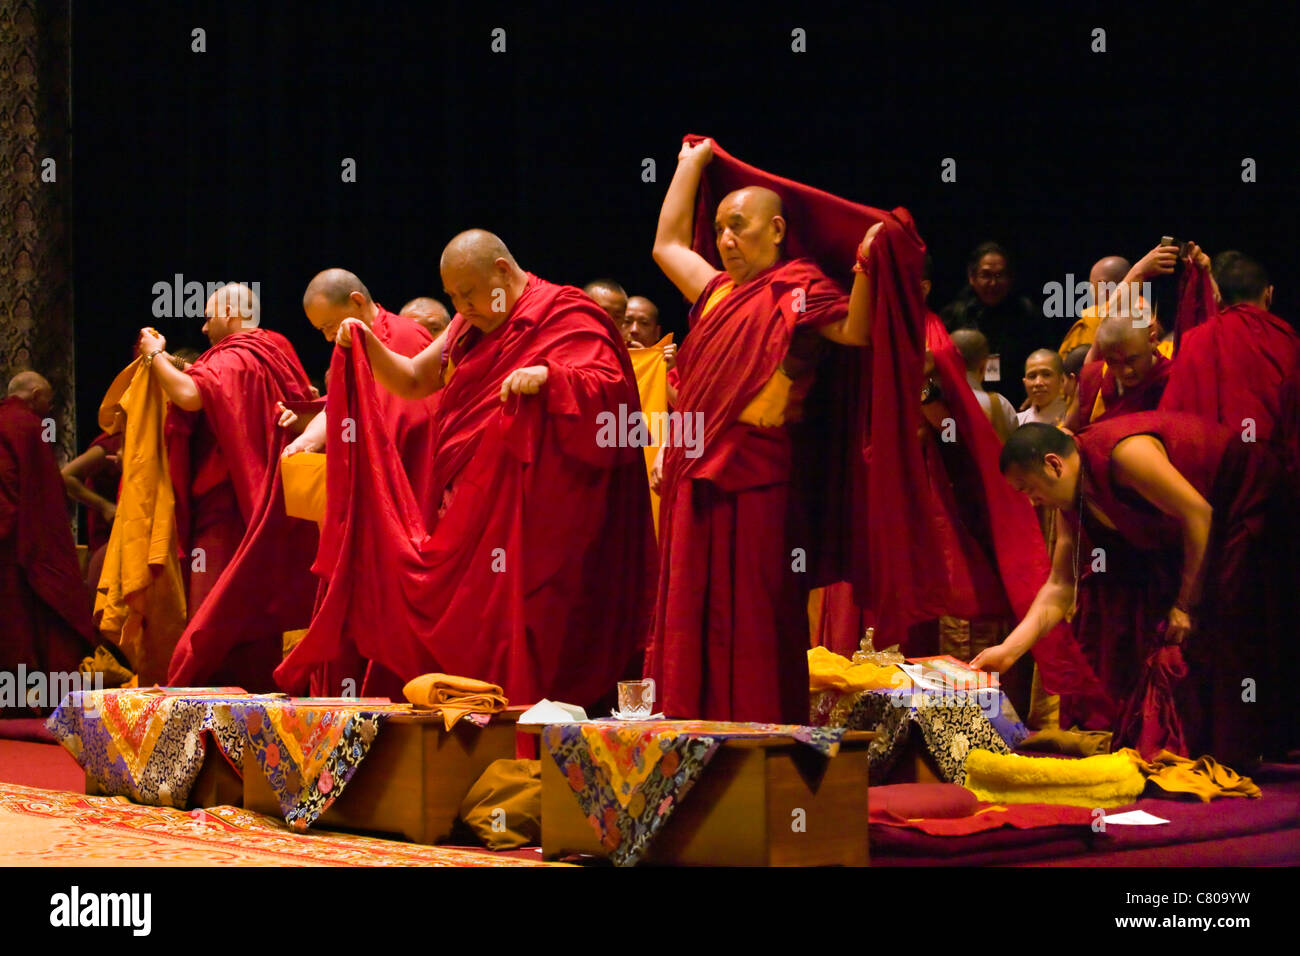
[(455, 696)]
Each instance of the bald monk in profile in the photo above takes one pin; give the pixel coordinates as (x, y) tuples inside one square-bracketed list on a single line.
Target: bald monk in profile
[(535, 570), (1130, 378), (731, 628), (429, 312), (224, 450), (45, 621), (610, 296), (1106, 274), (332, 297), (230, 392)]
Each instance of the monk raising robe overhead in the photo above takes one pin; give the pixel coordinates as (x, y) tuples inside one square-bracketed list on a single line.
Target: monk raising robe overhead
[(533, 572), (731, 629)]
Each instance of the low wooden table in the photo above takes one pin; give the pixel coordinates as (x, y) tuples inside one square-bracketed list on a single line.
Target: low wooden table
[(743, 809), (412, 781)]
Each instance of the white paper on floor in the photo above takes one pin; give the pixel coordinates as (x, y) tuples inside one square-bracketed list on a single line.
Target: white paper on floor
[(1138, 818)]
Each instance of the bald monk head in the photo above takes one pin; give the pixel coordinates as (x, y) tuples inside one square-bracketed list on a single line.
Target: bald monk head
[(232, 308), (1128, 348), (750, 228), (641, 323), (973, 346), (610, 296), (1242, 279), (33, 390), (481, 278), (335, 295), (429, 312), (1042, 461), (1044, 377), (1106, 274)]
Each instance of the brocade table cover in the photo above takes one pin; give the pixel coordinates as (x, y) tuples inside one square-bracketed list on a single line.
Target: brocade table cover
[(629, 776), (308, 749), (950, 724), (145, 744)]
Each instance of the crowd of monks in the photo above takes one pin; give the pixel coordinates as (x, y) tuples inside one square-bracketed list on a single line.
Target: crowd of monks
[(822, 454)]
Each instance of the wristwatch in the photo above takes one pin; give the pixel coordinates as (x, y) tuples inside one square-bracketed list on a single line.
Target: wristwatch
[(931, 393)]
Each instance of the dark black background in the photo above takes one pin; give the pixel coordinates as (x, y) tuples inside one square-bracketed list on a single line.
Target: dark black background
[(225, 165)]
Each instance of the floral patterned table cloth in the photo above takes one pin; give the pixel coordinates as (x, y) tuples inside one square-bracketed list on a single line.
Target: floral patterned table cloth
[(145, 744), (629, 776)]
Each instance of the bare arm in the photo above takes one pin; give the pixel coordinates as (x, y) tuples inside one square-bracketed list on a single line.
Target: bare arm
[(1141, 464), (685, 268), (855, 327), (406, 377), (88, 461), (1160, 261), (1052, 603), (311, 439)]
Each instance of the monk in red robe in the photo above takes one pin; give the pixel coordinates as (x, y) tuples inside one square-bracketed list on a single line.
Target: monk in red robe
[(1130, 378), (45, 624), (1231, 368), (332, 297), (534, 573), (1202, 505), (242, 598), (731, 629)]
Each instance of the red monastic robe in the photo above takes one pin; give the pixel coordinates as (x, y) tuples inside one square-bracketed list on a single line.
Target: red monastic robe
[(44, 612), (1231, 369), (1239, 627), (535, 573), (990, 556), (1095, 378), (733, 643), (731, 635), (235, 637), (410, 426)]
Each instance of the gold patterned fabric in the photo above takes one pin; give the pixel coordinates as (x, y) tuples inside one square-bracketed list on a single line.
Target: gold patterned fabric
[(35, 274)]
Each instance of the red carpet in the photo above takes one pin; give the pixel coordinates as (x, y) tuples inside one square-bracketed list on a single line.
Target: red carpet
[(40, 765)]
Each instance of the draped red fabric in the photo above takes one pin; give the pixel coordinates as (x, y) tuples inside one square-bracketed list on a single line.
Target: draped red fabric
[(1012, 531), (1240, 624), (863, 513), (411, 423), (1195, 301), (1150, 721), (1232, 367), (860, 467), (46, 621), (235, 636), (411, 427), (1143, 397), (535, 574)]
